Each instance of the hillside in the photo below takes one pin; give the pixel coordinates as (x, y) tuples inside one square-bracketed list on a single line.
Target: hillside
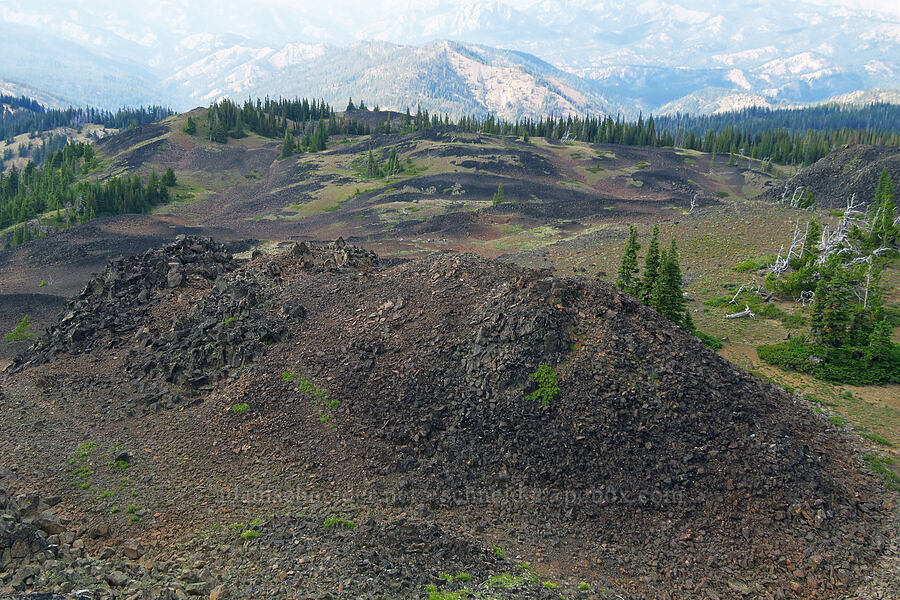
[(441, 198), (382, 407), (445, 77), (360, 407), (842, 175)]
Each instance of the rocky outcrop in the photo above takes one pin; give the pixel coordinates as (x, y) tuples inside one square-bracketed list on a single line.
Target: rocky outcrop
[(662, 459)]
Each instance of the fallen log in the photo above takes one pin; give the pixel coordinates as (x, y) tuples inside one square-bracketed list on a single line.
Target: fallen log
[(744, 313)]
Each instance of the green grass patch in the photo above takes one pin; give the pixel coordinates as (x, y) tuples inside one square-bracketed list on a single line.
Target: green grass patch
[(505, 581), (323, 404), (331, 522), (755, 264), (874, 437), (880, 465)]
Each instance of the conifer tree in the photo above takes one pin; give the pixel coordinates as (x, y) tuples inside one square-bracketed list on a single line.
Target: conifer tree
[(651, 269), (169, 178), (288, 147), (668, 298), (499, 196), (627, 279), (884, 232), (372, 169), (831, 308), (190, 127)]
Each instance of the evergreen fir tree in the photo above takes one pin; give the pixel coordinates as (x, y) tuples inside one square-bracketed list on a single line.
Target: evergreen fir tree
[(831, 316), (884, 232), (372, 169), (288, 147), (169, 178), (627, 279), (668, 297), (651, 269), (499, 196)]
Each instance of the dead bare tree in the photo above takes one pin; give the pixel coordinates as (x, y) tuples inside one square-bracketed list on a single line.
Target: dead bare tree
[(744, 313), (807, 297), (693, 202), (798, 244), (795, 198), (749, 284)]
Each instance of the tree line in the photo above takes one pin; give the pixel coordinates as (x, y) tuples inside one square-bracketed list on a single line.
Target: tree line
[(303, 124), (35, 118)]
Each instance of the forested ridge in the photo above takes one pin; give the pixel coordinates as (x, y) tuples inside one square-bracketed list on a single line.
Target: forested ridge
[(28, 116), (37, 191), (789, 136)]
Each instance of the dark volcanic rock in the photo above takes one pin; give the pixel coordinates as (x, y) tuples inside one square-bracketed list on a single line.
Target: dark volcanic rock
[(660, 458), (850, 171)]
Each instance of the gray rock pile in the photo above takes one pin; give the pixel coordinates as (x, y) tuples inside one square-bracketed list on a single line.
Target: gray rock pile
[(117, 302)]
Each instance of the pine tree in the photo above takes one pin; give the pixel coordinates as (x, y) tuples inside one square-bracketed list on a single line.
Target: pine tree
[(238, 131), (499, 196), (651, 269), (372, 168), (627, 280), (169, 178), (218, 133), (350, 105), (288, 147), (393, 164), (884, 232), (668, 298), (831, 316), (808, 200)]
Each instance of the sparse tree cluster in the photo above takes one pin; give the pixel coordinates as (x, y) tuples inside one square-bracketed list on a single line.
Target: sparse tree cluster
[(661, 285), (839, 270)]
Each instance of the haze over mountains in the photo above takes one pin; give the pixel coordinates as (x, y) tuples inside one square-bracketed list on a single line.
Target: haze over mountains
[(562, 56)]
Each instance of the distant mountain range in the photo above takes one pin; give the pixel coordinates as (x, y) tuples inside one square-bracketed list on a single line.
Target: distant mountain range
[(658, 56)]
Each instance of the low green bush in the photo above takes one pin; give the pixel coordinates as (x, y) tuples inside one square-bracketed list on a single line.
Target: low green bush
[(547, 385), (710, 341), (847, 364)]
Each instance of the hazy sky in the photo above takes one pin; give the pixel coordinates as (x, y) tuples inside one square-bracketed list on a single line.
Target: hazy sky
[(336, 21)]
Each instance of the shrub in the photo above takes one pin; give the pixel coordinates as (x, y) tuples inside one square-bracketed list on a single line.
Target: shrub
[(20, 332), (710, 341), (240, 409), (847, 364), (547, 385), (336, 522), (755, 264), (250, 534)]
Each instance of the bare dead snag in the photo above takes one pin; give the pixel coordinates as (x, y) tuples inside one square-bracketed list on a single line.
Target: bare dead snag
[(744, 313)]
